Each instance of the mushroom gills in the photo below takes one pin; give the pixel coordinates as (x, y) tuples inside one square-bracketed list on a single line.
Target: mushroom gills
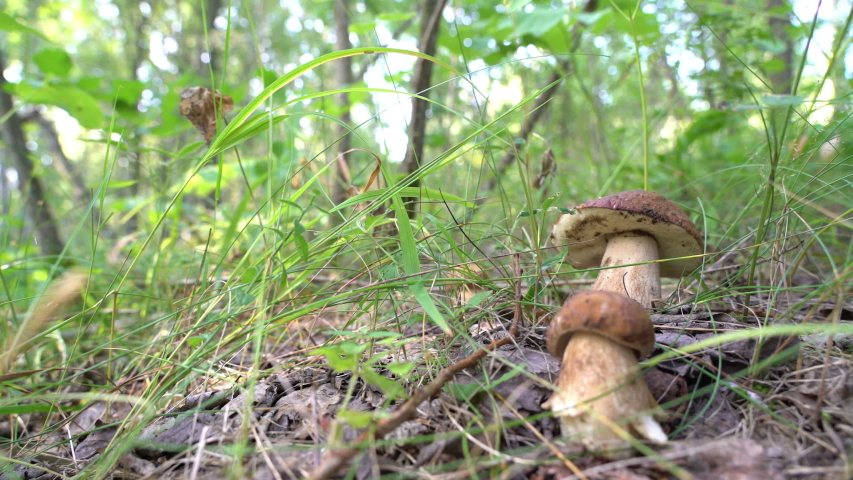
[(592, 378), (639, 282)]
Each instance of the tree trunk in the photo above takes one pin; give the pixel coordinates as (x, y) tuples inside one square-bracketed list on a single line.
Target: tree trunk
[(35, 205), (421, 76), (781, 81), (343, 79), (81, 194)]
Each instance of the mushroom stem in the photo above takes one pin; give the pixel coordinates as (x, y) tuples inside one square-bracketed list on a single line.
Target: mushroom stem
[(592, 380), (640, 282)]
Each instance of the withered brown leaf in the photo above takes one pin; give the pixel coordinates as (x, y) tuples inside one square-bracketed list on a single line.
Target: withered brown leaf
[(199, 105)]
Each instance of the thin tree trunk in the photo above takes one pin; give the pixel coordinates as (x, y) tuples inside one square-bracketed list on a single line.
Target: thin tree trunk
[(421, 77), (212, 10), (343, 79), (35, 205), (81, 194), (781, 80), (138, 23)]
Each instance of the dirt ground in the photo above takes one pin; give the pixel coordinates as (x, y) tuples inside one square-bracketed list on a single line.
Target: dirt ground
[(791, 420)]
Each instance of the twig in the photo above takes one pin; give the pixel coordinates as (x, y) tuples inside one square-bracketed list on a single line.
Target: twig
[(337, 458)]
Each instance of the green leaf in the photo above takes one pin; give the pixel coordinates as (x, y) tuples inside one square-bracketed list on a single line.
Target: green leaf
[(391, 388), (423, 193), (357, 419), (27, 408), (477, 299), (515, 5), (362, 28), (550, 201), (298, 228), (401, 369), (644, 26), (9, 24), (342, 357), (189, 149), (302, 245), (591, 18), (53, 61), (783, 100), (128, 91), (464, 391), (395, 17), (79, 104), (268, 76), (539, 21), (197, 340)]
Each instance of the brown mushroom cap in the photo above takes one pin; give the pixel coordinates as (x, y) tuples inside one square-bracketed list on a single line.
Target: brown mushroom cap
[(588, 230), (609, 314)]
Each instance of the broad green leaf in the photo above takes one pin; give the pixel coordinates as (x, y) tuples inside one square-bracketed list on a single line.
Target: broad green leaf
[(53, 61), (401, 369), (342, 357), (389, 387), (9, 24), (590, 18), (539, 21), (362, 28), (464, 391), (644, 26), (128, 91), (76, 102), (477, 299)]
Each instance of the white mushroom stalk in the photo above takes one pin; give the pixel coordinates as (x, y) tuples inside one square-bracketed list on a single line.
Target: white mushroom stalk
[(639, 282), (600, 337), (627, 228)]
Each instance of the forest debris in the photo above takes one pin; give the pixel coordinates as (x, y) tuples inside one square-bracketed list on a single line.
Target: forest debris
[(199, 105), (337, 458), (735, 459)]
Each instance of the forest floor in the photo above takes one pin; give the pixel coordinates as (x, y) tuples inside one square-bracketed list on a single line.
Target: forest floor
[(790, 419)]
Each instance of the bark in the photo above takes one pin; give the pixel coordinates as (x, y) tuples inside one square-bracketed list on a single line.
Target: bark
[(81, 194), (540, 106), (35, 205), (343, 79), (136, 28), (781, 81), (421, 77)]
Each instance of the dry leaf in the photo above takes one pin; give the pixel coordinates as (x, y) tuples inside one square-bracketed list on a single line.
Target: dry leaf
[(199, 105), (549, 166)]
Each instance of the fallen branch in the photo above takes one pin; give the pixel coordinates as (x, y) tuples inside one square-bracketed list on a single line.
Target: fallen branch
[(338, 457)]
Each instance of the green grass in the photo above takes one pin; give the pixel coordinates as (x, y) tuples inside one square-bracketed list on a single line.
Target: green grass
[(190, 285)]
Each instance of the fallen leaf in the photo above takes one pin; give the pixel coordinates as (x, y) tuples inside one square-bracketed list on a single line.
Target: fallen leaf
[(199, 105)]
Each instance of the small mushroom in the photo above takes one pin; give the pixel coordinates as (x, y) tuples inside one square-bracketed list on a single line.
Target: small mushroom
[(630, 228), (600, 336)]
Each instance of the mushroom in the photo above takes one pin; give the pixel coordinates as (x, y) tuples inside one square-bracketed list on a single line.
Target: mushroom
[(600, 337), (630, 228)]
